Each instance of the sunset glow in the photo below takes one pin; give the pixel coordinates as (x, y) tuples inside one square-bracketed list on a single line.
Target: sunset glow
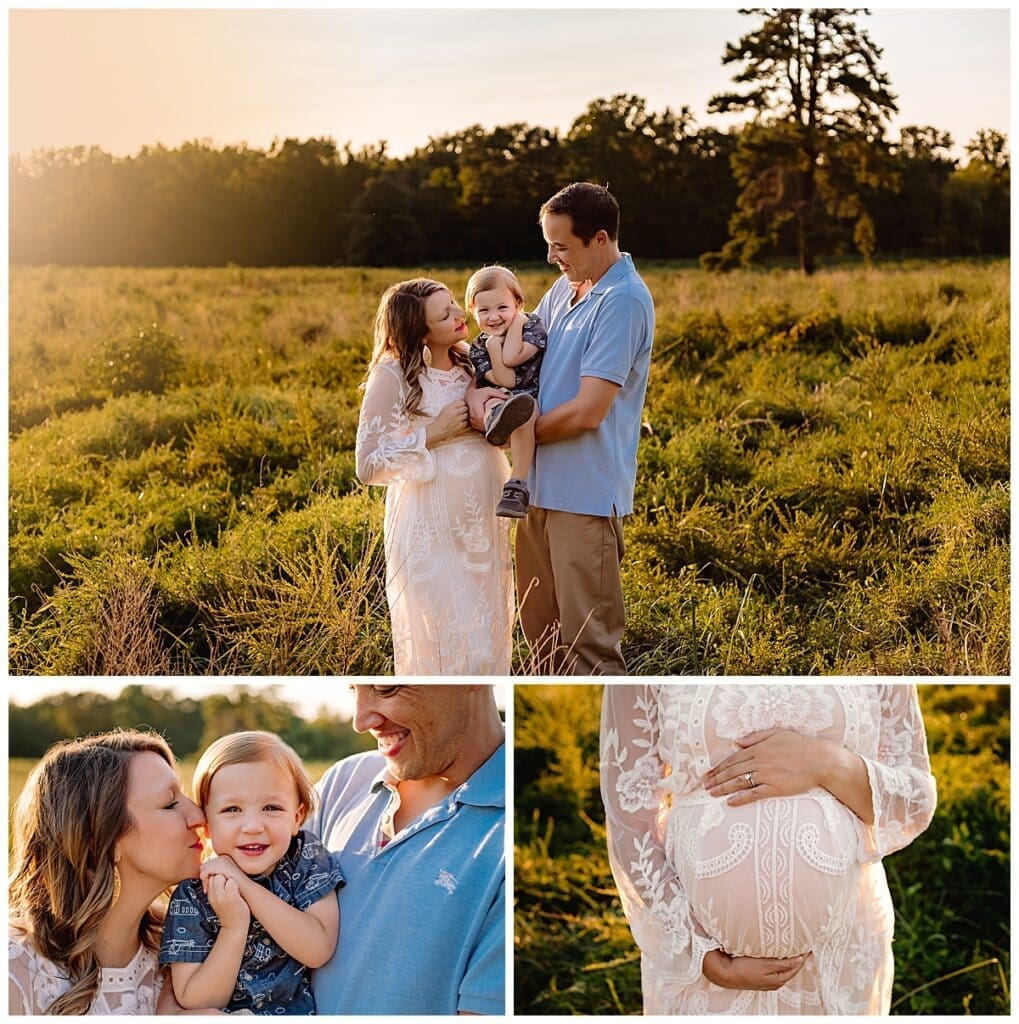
[(122, 79)]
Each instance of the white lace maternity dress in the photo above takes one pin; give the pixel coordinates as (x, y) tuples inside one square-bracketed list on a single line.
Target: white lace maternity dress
[(773, 878), (35, 982), (449, 577)]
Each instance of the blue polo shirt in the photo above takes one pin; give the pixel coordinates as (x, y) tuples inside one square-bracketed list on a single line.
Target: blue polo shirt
[(608, 335), (422, 916)]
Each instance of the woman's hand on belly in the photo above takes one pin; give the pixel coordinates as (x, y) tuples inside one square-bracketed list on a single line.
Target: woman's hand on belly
[(450, 422), (750, 972), (784, 763)]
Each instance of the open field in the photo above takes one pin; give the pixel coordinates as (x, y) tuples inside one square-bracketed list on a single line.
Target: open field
[(573, 952), (823, 483)]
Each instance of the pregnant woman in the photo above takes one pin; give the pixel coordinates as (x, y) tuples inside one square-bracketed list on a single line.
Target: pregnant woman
[(101, 830), (746, 827), (449, 579)]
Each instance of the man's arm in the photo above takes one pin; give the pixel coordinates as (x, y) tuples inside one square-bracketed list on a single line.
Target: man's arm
[(167, 1004), (585, 411)]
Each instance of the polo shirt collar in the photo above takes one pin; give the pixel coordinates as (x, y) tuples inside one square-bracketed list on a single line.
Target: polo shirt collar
[(485, 788), (613, 275)]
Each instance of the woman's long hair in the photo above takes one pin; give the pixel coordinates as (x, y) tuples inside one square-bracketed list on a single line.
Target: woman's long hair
[(400, 330), (67, 821)]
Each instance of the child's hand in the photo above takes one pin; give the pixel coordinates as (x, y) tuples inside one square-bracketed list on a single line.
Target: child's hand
[(221, 867), (226, 899), (494, 341)]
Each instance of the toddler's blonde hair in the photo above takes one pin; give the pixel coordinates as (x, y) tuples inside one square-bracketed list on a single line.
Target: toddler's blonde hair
[(486, 278), (246, 748)]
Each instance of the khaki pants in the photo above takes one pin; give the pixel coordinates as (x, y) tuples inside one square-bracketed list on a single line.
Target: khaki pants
[(569, 592)]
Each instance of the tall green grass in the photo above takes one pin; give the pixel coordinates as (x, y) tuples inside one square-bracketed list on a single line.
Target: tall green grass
[(823, 481), (573, 952)]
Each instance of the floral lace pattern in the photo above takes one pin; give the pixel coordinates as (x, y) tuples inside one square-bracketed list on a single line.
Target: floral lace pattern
[(772, 878), (741, 710), (36, 982), (448, 570)]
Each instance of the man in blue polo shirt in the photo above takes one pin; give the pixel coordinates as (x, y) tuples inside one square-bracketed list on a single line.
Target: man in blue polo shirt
[(600, 321), (417, 830)]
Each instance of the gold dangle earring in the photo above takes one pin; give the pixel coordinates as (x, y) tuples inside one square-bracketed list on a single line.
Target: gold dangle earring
[(426, 356), (116, 887)]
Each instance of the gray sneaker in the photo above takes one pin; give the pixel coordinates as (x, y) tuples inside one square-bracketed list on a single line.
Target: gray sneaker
[(505, 418), (514, 501)]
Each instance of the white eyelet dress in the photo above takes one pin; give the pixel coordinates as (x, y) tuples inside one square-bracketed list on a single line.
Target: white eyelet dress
[(36, 982)]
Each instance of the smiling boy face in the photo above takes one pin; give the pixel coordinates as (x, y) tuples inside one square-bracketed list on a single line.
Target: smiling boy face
[(495, 309), (253, 812)]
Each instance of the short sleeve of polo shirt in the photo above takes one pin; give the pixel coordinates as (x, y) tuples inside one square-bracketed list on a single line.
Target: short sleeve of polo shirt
[(541, 311), (483, 989), (190, 927), (307, 873), (619, 336)]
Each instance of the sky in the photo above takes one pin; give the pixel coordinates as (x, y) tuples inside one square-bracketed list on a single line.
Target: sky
[(307, 695), (121, 79)]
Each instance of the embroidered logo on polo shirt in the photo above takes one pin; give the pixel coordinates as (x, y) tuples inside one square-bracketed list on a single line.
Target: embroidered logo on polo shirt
[(446, 881)]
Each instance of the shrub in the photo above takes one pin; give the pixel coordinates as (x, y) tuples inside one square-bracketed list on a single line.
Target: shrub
[(149, 361), (102, 620)]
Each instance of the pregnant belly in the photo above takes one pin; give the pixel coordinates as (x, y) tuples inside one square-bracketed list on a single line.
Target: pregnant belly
[(771, 879)]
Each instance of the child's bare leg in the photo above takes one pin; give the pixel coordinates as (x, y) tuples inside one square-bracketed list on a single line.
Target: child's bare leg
[(515, 496), (476, 405), (522, 447), (493, 402)]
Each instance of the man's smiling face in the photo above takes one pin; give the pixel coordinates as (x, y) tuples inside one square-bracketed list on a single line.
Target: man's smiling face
[(420, 730), (567, 250)]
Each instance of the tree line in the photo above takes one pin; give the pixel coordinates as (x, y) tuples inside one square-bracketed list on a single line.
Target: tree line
[(810, 174), (188, 724)]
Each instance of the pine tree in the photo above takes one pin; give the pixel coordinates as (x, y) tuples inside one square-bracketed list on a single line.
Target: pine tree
[(819, 103)]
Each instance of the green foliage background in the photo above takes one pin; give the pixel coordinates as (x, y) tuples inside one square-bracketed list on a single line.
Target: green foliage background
[(823, 481), (189, 724), (574, 953), (472, 194)]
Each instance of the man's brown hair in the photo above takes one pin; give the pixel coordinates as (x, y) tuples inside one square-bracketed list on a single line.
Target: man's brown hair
[(592, 208)]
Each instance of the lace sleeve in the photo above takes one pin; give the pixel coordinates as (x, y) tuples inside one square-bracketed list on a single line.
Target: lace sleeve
[(389, 446), (901, 785), (633, 771)]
